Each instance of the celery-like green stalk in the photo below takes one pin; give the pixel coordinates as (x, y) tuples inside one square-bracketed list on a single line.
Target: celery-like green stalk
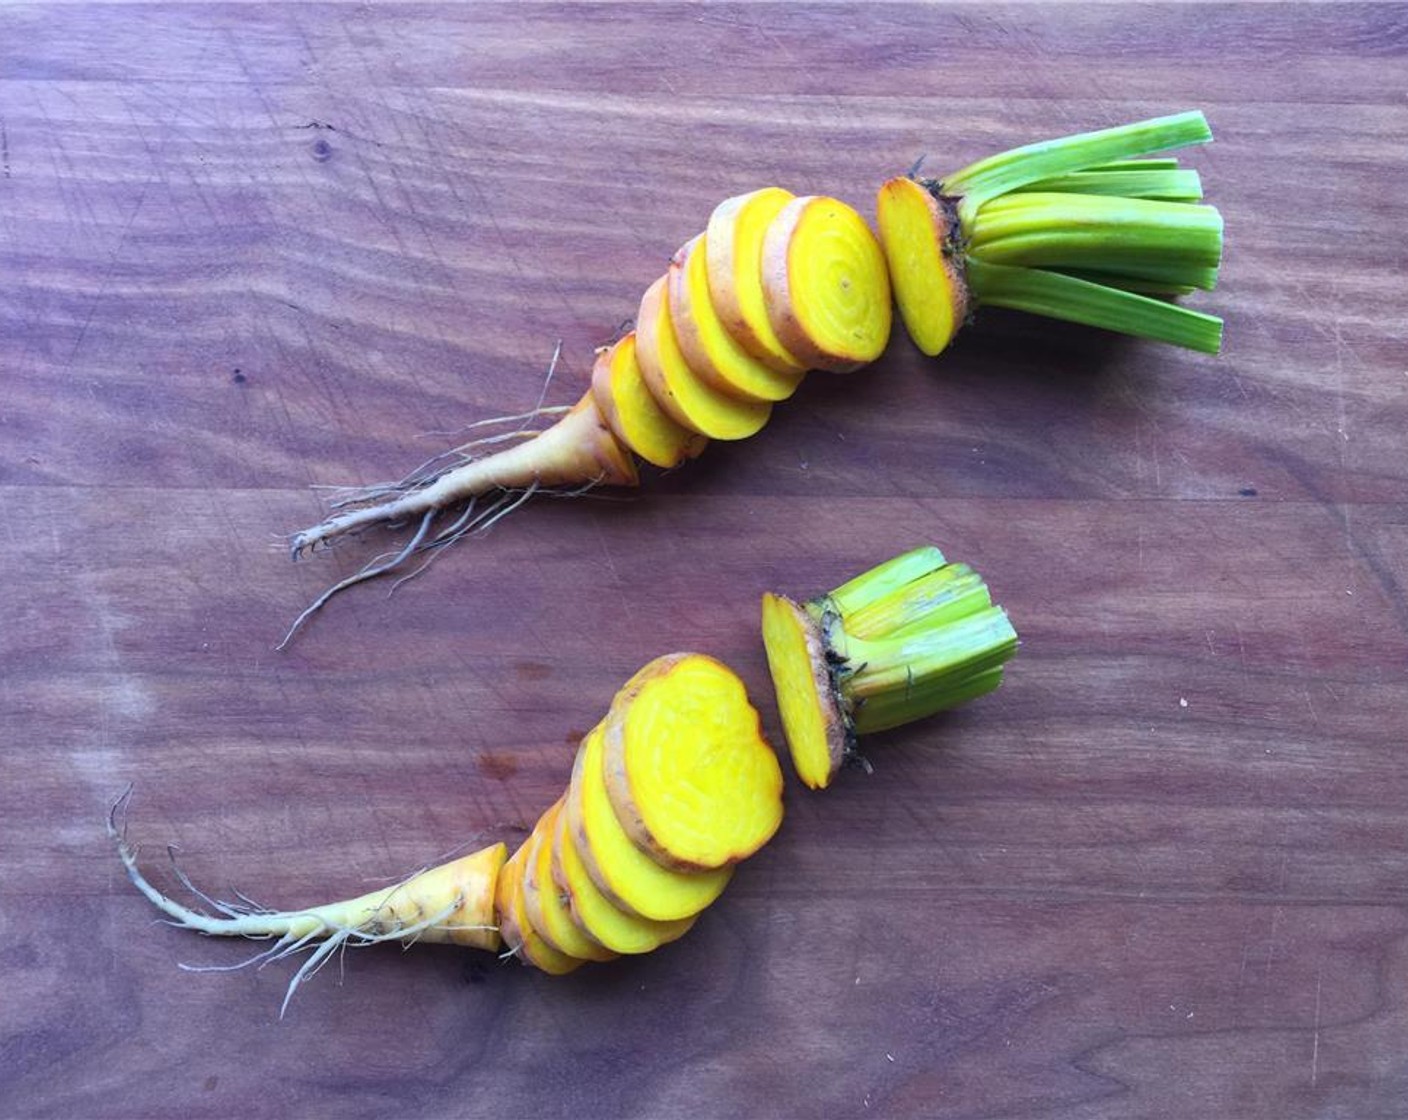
[(884, 579), (945, 594), (1088, 228), (1058, 296), (1141, 238), (1173, 185), (1006, 171), (881, 713), (927, 670), (911, 636)]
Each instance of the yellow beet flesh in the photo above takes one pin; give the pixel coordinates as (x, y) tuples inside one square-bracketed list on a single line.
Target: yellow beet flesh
[(518, 933), (734, 254), (627, 875), (706, 343), (811, 718), (632, 413), (686, 397), (928, 285), (595, 914), (688, 772), (543, 902), (828, 290)]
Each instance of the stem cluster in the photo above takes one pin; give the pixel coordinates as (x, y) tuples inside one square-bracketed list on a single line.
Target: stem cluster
[(1087, 228), (914, 636)]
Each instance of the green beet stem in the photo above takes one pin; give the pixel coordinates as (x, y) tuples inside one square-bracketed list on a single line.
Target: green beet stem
[(1172, 185), (1058, 296), (943, 595), (1007, 171), (884, 712), (925, 670), (882, 580)]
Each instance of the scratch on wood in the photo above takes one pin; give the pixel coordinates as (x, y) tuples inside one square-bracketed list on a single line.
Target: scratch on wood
[(4, 148), (1315, 1045)]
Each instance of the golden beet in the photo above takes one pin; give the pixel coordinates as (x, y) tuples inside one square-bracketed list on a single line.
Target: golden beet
[(625, 873), (925, 265), (734, 252), (689, 774), (806, 699), (595, 914), (827, 287), (708, 347), (633, 414), (688, 399), (543, 902), (519, 935)]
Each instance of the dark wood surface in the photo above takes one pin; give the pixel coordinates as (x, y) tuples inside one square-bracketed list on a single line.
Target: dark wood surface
[(247, 249)]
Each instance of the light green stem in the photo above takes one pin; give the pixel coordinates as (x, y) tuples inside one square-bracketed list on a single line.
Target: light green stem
[(884, 579), (924, 671), (881, 713), (1173, 185), (1007, 171), (1058, 296)]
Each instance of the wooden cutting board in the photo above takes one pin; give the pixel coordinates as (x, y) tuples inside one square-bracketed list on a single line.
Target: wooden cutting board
[(247, 250)]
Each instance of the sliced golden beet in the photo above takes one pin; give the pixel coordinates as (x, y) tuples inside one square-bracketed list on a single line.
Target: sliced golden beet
[(924, 270), (689, 774), (734, 253), (811, 716), (518, 933), (828, 291), (627, 875), (685, 396), (543, 902), (708, 347), (632, 413), (595, 914)]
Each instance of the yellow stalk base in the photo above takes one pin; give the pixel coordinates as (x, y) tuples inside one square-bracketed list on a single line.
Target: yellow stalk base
[(690, 776), (734, 252), (627, 875), (519, 935), (594, 913), (686, 397), (633, 415), (468, 881), (929, 286), (828, 290), (454, 903), (811, 717), (545, 905), (706, 343), (579, 448)]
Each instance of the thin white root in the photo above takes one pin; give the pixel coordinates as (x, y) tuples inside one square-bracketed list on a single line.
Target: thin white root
[(381, 495), (371, 571), (468, 523), (295, 930), (526, 417), (574, 454)]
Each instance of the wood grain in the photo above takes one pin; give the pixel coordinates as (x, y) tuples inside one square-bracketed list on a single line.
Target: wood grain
[(247, 249)]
